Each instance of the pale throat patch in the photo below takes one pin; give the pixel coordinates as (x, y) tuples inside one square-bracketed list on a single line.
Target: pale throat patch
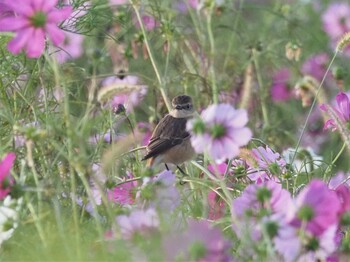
[(181, 113)]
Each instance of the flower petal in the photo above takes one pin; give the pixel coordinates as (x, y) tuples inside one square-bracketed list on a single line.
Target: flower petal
[(36, 47), (13, 24), (48, 5), (6, 165), (56, 35), (241, 135), (240, 118), (58, 15), (23, 7), (20, 40), (344, 105)]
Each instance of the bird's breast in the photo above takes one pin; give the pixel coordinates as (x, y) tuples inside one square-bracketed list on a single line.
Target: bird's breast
[(179, 153)]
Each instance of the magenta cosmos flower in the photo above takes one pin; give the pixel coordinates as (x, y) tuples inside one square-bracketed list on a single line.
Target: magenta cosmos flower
[(216, 204), (32, 21), (220, 132), (125, 193), (316, 66), (72, 47), (5, 178), (280, 90), (316, 208), (341, 185), (342, 112)]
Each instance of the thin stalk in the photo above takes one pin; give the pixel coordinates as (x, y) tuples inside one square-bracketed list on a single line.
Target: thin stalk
[(312, 107), (36, 222), (212, 54), (71, 153), (262, 90), (30, 162), (230, 42), (151, 57), (329, 167)]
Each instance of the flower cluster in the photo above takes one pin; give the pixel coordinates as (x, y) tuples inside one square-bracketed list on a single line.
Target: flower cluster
[(304, 228)]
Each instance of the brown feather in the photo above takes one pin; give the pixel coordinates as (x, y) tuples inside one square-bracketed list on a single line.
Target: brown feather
[(168, 133)]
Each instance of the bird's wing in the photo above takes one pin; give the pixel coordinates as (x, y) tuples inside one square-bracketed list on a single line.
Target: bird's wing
[(168, 133)]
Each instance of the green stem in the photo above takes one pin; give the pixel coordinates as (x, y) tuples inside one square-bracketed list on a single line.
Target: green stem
[(231, 42), (329, 167), (312, 106), (71, 153), (212, 54), (262, 91), (150, 53), (37, 223)]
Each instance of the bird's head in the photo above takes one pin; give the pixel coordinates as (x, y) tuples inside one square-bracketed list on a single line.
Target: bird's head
[(182, 107)]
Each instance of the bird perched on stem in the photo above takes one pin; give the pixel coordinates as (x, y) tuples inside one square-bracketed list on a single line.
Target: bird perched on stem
[(170, 142)]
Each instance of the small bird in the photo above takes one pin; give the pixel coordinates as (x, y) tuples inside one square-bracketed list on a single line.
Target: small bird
[(170, 142)]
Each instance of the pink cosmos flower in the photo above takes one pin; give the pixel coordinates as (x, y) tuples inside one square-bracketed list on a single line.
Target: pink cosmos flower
[(268, 165), (123, 194), (165, 195), (293, 246), (257, 201), (336, 22), (341, 185), (336, 19), (5, 177), (72, 47), (141, 222), (280, 90), (32, 22), (146, 132), (269, 195), (5, 11), (343, 111), (267, 159), (149, 22), (221, 131), (316, 66), (193, 3), (317, 207), (200, 242), (339, 179), (286, 240), (216, 204), (218, 169)]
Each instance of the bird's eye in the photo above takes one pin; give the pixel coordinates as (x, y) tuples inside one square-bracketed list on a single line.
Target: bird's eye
[(188, 106)]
